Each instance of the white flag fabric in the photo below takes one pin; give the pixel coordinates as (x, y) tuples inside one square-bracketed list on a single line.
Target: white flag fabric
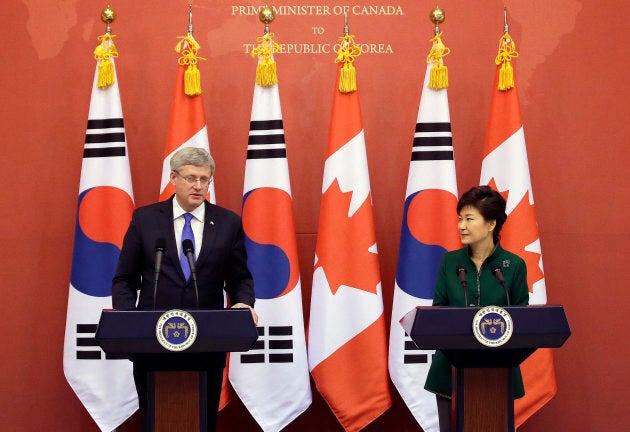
[(105, 386), (272, 379), (429, 229)]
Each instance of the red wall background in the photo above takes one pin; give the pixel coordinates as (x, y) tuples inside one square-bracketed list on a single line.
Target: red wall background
[(573, 84)]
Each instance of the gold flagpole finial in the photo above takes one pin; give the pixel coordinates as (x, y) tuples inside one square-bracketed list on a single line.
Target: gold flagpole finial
[(266, 15), (437, 17), (107, 16), (106, 50), (266, 73), (439, 72)]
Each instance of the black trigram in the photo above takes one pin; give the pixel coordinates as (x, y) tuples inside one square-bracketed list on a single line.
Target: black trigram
[(432, 141), (105, 137), (275, 346), (87, 348), (266, 140), (412, 354)]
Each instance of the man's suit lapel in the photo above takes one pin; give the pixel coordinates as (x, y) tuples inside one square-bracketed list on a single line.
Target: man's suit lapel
[(209, 232), (166, 220)]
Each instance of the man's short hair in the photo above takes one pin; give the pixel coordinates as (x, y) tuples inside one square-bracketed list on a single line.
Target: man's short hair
[(196, 156)]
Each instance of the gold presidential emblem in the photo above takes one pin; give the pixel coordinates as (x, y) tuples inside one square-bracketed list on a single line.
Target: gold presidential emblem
[(176, 330), (492, 326)]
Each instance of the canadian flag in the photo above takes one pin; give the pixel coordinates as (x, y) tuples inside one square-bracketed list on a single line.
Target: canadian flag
[(347, 346), (506, 169), (187, 128)]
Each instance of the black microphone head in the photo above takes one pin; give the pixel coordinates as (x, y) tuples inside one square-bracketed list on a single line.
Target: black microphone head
[(497, 272), (187, 245), (461, 274), (160, 244)]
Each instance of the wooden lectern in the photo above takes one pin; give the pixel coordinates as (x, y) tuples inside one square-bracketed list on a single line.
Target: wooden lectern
[(176, 390), (483, 386)]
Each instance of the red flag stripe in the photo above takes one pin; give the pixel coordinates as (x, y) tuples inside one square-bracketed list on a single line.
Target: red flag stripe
[(346, 121), (187, 115), (501, 127)]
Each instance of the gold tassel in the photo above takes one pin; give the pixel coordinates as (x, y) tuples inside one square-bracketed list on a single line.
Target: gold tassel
[(192, 81), (266, 72), (347, 78), (348, 51), (438, 78), (103, 53), (188, 47), (507, 51)]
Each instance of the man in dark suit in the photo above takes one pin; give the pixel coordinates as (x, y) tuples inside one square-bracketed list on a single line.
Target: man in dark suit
[(220, 262)]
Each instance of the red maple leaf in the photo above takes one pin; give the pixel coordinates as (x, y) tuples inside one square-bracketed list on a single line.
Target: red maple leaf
[(519, 231), (343, 243)]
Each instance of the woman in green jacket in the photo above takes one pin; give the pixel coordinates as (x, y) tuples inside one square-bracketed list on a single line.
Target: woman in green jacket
[(481, 216)]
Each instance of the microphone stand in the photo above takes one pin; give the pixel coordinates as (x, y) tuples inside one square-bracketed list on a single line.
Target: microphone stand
[(189, 251), (498, 273), (193, 274), (461, 273), (155, 285)]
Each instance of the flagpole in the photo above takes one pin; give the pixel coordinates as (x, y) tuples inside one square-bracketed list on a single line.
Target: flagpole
[(506, 29), (505, 167), (278, 365), (426, 232), (190, 22), (347, 322)]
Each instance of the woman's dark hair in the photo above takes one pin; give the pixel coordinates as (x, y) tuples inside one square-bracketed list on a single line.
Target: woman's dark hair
[(489, 203)]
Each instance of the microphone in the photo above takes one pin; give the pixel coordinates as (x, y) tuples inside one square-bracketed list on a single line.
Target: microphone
[(159, 253), (461, 273), (498, 273), (189, 251)]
